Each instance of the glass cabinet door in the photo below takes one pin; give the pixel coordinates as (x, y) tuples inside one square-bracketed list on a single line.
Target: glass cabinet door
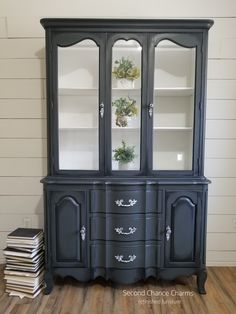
[(126, 105), (173, 106), (78, 106)]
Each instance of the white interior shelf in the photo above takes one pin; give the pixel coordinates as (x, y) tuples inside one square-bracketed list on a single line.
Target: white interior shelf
[(163, 91), (174, 91), (77, 91), (163, 128), (160, 128)]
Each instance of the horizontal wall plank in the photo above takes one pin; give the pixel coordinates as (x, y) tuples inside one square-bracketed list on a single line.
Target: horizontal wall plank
[(220, 168), (221, 129), (22, 68), (221, 256), (221, 69), (220, 148), (18, 88), (222, 205), (27, 27), (3, 238), (221, 241), (221, 109), (21, 204), (21, 186), (23, 148), (22, 128), (27, 167), (3, 27), (221, 223), (22, 108), (224, 48), (22, 48), (8, 224), (2, 258), (223, 28), (222, 187), (221, 89)]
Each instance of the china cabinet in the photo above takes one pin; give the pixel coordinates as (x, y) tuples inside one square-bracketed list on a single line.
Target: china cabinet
[(125, 194)]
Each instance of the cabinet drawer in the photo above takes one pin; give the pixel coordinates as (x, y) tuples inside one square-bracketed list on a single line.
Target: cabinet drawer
[(125, 200), (126, 256), (125, 227)]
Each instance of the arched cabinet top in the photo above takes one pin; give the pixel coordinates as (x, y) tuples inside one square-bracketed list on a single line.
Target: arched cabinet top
[(113, 38), (67, 40), (183, 40)]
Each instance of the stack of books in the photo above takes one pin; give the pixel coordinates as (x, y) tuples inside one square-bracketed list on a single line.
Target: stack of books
[(24, 271)]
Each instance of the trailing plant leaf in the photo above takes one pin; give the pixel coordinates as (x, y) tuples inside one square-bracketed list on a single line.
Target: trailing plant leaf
[(124, 154), (125, 107), (125, 68)]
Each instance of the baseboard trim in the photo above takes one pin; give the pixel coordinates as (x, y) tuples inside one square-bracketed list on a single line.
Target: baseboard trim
[(220, 264)]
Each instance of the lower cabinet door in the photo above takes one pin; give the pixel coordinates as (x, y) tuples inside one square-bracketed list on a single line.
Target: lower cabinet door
[(69, 230), (182, 229)]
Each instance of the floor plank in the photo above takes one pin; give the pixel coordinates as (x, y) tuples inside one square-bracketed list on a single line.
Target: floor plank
[(150, 297)]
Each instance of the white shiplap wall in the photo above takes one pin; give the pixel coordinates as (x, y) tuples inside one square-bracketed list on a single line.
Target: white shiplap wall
[(23, 114)]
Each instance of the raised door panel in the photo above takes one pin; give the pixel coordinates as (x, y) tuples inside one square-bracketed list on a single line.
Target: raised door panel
[(182, 229), (68, 229)]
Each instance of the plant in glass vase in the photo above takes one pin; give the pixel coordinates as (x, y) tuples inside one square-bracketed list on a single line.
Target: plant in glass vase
[(124, 155), (124, 108), (125, 71)]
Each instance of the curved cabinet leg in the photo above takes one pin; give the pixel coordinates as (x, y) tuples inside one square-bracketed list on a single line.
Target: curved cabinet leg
[(201, 279), (48, 282)]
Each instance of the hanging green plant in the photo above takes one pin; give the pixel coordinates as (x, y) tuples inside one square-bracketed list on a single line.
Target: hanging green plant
[(125, 69), (124, 154), (125, 107)]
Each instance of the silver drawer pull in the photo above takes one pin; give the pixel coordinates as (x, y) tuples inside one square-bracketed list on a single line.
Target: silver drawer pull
[(120, 230), (168, 233), (121, 260), (120, 203)]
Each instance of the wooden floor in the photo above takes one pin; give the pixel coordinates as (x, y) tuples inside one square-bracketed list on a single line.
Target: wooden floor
[(69, 296)]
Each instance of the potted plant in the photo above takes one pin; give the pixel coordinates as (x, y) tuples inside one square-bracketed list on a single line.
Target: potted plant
[(124, 108), (124, 155), (125, 72)]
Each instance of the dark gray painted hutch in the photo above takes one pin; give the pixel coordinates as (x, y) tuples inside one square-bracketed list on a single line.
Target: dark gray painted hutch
[(137, 88)]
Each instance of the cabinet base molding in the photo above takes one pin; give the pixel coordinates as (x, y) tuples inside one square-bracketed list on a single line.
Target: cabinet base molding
[(126, 277)]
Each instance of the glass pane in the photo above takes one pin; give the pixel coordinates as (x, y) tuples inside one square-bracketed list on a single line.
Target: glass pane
[(174, 83), (78, 98), (126, 105)]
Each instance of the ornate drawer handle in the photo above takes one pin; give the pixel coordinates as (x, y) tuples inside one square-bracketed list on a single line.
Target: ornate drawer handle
[(121, 260), (83, 233), (131, 203), (120, 230), (168, 233)]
